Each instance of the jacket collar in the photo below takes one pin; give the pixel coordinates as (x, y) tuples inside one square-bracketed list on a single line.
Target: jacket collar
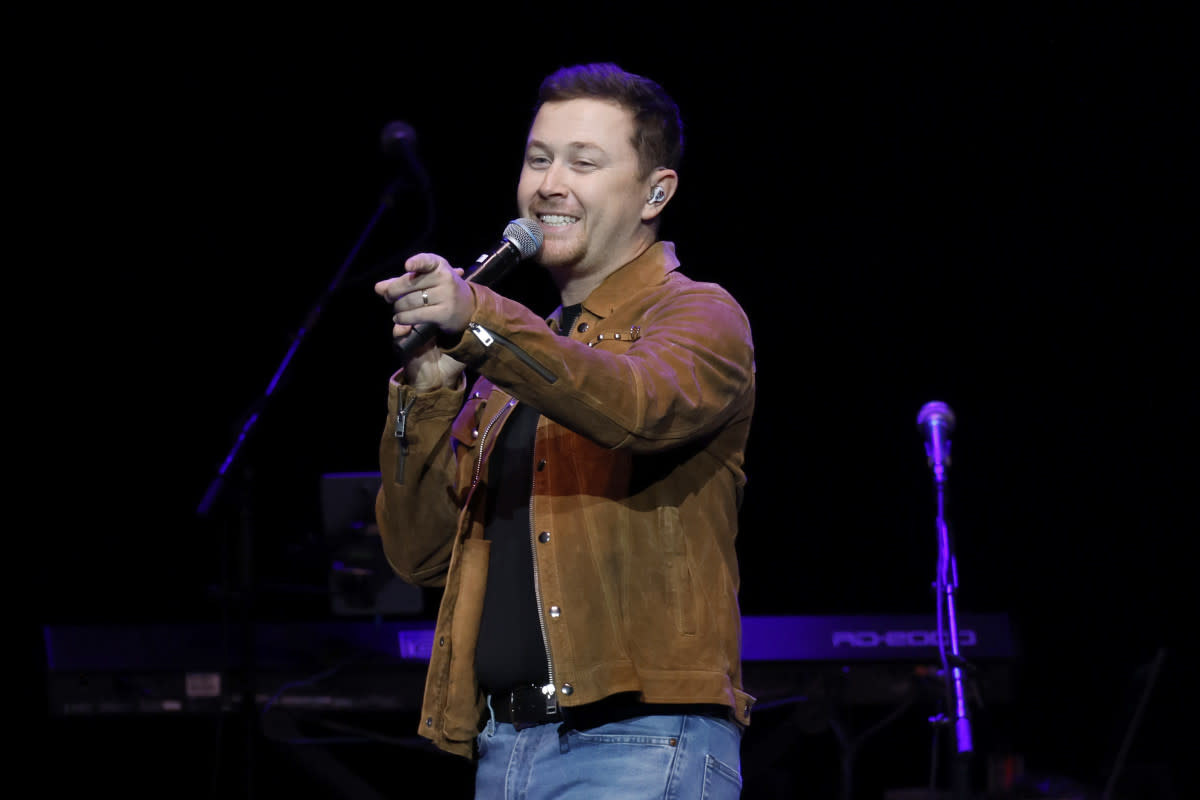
[(648, 269)]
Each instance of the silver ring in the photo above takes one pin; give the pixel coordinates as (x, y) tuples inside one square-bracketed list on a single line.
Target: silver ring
[(424, 297)]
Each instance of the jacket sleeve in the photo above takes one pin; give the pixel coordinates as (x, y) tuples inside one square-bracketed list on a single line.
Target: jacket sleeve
[(416, 507), (688, 371)]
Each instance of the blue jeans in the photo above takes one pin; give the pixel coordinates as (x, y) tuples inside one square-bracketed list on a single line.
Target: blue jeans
[(686, 757)]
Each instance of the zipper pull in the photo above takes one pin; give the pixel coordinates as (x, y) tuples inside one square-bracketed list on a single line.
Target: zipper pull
[(401, 435), (551, 700), (481, 333), (402, 417)]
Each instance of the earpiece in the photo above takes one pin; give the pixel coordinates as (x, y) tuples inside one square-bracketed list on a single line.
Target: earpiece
[(658, 195)]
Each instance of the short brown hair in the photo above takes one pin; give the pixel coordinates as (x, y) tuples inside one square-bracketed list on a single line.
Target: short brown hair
[(657, 126)]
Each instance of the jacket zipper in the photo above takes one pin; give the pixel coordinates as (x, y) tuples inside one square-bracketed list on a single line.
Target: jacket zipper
[(548, 690), (489, 337), (401, 427), (483, 439)]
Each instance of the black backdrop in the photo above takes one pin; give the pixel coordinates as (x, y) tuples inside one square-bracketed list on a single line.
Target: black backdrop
[(986, 209)]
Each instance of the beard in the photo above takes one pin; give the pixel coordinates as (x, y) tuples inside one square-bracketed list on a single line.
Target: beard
[(559, 253)]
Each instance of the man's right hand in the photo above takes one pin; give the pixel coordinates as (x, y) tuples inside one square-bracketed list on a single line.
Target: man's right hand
[(429, 292)]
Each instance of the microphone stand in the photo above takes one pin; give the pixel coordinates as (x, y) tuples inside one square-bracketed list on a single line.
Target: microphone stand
[(245, 590), (953, 664)]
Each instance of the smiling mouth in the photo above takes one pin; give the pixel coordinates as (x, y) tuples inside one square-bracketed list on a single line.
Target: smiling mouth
[(556, 220)]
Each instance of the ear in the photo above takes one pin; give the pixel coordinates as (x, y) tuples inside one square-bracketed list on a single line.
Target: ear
[(661, 178)]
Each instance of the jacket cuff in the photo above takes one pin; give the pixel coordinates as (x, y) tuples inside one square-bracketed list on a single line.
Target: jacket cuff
[(466, 347), (440, 402)]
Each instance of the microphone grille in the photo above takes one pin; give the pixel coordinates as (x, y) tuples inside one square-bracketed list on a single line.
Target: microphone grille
[(526, 234), (936, 410)]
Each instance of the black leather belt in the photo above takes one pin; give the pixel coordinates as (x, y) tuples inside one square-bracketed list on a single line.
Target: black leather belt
[(525, 707)]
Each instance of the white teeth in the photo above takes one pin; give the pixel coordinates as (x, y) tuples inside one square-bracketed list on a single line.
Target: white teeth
[(557, 219)]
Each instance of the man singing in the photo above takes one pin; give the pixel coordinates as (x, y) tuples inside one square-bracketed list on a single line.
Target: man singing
[(579, 502)]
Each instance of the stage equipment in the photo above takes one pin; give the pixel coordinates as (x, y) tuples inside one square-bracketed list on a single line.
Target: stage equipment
[(361, 581), (936, 422)]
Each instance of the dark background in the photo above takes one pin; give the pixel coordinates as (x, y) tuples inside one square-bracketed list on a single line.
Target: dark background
[(993, 208)]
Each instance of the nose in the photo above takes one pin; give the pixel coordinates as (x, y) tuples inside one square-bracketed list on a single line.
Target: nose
[(553, 182)]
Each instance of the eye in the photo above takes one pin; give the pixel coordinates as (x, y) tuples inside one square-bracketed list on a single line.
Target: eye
[(584, 165), (537, 161)]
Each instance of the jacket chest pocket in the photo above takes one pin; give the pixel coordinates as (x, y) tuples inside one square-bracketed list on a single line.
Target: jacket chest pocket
[(466, 425), (465, 431)]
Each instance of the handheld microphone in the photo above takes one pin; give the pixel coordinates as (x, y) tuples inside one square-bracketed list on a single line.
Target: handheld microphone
[(522, 239), (936, 423)]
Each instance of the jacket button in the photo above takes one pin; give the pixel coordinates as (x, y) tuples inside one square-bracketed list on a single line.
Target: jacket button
[(429, 722), (441, 641), (555, 612), (583, 326), (544, 537), (474, 432), (541, 465), (566, 689)]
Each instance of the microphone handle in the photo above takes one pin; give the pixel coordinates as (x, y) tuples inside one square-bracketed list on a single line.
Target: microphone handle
[(418, 336)]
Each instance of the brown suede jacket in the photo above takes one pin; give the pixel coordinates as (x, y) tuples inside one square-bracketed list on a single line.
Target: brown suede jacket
[(638, 478)]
